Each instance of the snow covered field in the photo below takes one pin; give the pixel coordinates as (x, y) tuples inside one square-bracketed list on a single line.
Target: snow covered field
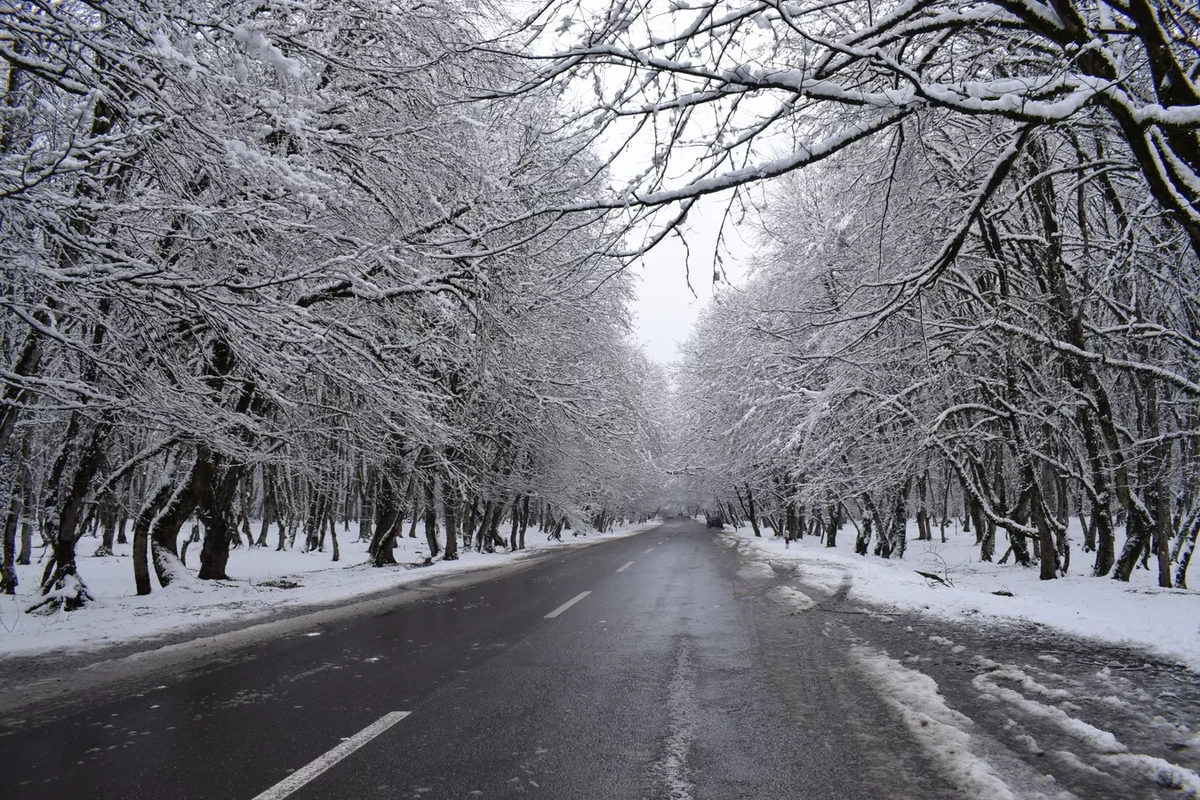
[(264, 582), (1166, 621)]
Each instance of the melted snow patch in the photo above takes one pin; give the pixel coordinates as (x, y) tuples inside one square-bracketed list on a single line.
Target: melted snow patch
[(672, 768), (1012, 673), (943, 733), (792, 599), (756, 571), (1161, 771), (1100, 741)]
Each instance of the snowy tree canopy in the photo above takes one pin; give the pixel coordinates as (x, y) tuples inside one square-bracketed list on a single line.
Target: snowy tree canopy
[(978, 273), (248, 272)]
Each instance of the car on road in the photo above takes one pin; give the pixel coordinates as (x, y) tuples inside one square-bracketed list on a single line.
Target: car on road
[(714, 521)]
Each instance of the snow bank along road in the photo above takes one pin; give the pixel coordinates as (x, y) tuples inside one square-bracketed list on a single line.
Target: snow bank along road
[(672, 664)]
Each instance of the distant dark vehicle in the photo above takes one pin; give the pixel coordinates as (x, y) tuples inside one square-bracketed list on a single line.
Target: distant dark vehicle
[(714, 521)]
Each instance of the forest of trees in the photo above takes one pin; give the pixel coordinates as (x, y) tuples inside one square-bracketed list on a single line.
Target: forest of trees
[(298, 261), (264, 260), (976, 292)]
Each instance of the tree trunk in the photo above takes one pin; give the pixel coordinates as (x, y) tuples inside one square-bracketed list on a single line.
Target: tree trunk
[(314, 523), (516, 522), (524, 521), (483, 539), (337, 551), (8, 548), (141, 535), (451, 502), (468, 527), (27, 504), (752, 513), (268, 509), (216, 512), (107, 515), (366, 508), (164, 531), (1187, 549), (431, 533), (862, 542), (389, 520), (924, 530), (63, 580), (244, 512), (16, 395)]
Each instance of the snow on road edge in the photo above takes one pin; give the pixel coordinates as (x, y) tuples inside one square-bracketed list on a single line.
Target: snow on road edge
[(119, 617), (1164, 621)]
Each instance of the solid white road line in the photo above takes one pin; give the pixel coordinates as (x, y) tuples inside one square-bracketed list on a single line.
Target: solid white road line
[(567, 605), (318, 765), (627, 566)]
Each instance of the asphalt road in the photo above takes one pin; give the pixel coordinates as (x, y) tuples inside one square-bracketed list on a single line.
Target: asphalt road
[(678, 671)]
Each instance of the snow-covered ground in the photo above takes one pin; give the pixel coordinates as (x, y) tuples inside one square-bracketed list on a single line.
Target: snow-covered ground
[(263, 583), (1166, 621)]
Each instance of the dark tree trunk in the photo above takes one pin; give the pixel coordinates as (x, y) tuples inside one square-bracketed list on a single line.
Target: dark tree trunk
[(924, 530), (1141, 530), (751, 511), (516, 523), (108, 524), (431, 532), (862, 543), (468, 529), (216, 512), (63, 580), (141, 536), (268, 509), (413, 499), (483, 542), (1047, 551), (164, 532), (314, 524), (451, 503), (337, 551), (244, 512), (16, 395), (366, 509), (493, 533), (1186, 549), (389, 519), (188, 542), (27, 504), (8, 548), (524, 521)]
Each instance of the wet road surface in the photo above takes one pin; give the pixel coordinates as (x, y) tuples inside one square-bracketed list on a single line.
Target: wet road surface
[(672, 664)]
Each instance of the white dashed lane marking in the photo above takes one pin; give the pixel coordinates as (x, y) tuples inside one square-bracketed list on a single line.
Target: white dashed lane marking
[(300, 777), (567, 605)]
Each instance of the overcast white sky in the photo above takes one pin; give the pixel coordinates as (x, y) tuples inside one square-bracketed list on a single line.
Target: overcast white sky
[(666, 309)]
